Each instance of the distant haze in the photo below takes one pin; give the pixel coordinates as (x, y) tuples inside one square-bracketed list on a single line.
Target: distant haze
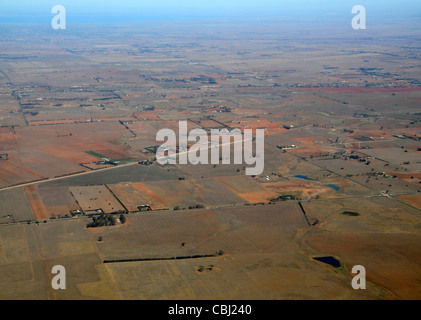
[(126, 10)]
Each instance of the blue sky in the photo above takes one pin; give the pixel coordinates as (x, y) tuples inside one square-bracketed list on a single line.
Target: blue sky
[(124, 9)]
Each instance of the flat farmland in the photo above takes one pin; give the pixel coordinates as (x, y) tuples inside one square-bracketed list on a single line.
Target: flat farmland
[(20, 275), (44, 164), (54, 238), (12, 173), (214, 193), (81, 136), (399, 256), (233, 230), (388, 184), (36, 203), (130, 173), (93, 198), (136, 194), (210, 170), (352, 167), (353, 113), (58, 150), (209, 124), (396, 155), (175, 193), (384, 233), (7, 139), (386, 97), (326, 188), (57, 201), (268, 126), (74, 152), (272, 265), (285, 275), (9, 111), (257, 241), (412, 199), (28, 253), (15, 203), (341, 187), (297, 189), (247, 188), (191, 192)]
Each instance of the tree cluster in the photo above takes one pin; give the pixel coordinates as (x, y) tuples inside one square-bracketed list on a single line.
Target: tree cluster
[(102, 221)]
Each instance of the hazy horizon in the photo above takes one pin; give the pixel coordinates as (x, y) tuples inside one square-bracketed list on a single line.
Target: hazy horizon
[(132, 10)]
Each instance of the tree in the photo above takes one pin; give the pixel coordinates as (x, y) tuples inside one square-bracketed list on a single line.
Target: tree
[(102, 220), (122, 218)]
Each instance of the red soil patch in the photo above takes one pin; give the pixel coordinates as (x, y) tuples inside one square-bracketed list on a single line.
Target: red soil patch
[(156, 204), (412, 199), (11, 173), (136, 194), (359, 90), (36, 203), (71, 153), (405, 176), (247, 188)]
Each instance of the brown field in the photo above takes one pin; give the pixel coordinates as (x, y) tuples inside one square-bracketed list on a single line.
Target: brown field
[(300, 190), (257, 242), (57, 122), (269, 127), (7, 140), (414, 176), (234, 230), (190, 192), (210, 124), (96, 165), (384, 239), (73, 152), (93, 198), (58, 201), (58, 150), (137, 194), (397, 254), (360, 90), (11, 173), (46, 165), (35, 201), (214, 193), (254, 241), (413, 200), (247, 189), (15, 204)]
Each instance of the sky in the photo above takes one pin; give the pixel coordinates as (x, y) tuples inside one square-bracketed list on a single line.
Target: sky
[(125, 10)]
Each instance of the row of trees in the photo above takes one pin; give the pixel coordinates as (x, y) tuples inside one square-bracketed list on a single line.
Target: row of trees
[(197, 206)]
